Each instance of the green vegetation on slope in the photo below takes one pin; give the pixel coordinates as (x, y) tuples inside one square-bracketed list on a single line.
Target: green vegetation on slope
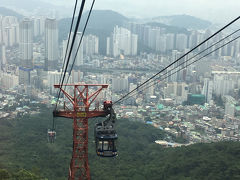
[(24, 146), (20, 175)]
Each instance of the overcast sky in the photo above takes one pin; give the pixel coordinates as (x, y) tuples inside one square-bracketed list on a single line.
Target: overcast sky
[(213, 10)]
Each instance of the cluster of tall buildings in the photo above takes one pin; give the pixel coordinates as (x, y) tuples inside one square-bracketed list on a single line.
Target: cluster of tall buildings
[(38, 52), (120, 84), (122, 42), (26, 34), (221, 83), (41, 55), (89, 46), (9, 31), (160, 40)]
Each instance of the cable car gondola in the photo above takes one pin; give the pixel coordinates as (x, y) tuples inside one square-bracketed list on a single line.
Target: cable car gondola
[(105, 140), (51, 135), (105, 134)]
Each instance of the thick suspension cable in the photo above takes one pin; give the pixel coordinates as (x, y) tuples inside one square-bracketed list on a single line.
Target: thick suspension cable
[(69, 36), (71, 47), (70, 30), (163, 78), (178, 59), (214, 44), (85, 26)]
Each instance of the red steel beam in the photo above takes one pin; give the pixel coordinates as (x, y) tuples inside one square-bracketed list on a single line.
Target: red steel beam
[(79, 112)]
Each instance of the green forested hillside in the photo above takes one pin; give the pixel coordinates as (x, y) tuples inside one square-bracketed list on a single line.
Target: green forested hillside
[(25, 150)]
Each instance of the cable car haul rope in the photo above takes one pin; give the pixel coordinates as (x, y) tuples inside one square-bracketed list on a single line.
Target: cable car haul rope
[(174, 62)]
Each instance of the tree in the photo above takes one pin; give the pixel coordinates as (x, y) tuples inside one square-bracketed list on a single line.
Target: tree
[(4, 174), (26, 175)]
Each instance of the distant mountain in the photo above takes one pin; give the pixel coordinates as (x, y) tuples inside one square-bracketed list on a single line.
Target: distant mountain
[(104, 19), (101, 23), (100, 20), (7, 12), (184, 21), (169, 29)]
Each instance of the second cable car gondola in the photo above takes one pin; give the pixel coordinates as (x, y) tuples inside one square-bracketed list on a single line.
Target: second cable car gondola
[(106, 141), (51, 135), (105, 134)]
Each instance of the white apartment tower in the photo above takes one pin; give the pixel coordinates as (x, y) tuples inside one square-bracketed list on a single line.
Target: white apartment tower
[(122, 41), (181, 42), (26, 43), (51, 44), (207, 89), (77, 58), (26, 50), (90, 45), (39, 24)]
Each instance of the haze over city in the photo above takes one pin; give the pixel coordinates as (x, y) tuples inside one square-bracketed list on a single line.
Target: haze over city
[(216, 11)]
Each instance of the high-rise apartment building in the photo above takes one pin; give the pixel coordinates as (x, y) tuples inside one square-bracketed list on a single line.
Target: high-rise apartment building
[(79, 57), (26, 43), (26, 50), (77, 53), (225, 82), (9, 30), (181, 42), (39, 25), (90, 45), (169, 42), (51, 44), (122, 41), (207, 90), (120, 84)]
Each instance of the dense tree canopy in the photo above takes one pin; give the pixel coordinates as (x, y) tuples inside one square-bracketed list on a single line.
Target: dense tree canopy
[(25, 152)]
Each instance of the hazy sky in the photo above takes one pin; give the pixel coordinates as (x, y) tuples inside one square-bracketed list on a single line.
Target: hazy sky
[(213, 10)]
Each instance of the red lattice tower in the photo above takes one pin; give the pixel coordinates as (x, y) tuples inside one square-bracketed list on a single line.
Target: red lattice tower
[(80, 112)]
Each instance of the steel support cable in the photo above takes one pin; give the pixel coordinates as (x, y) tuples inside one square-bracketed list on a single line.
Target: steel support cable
[(69, 36), (193, 57), (85, 26), (71, 47), (156, 82), (178, 59), (74, 11)]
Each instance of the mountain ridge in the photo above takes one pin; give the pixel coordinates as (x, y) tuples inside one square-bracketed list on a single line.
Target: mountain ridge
[(102, 22), (8, 12), (185, 21)]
